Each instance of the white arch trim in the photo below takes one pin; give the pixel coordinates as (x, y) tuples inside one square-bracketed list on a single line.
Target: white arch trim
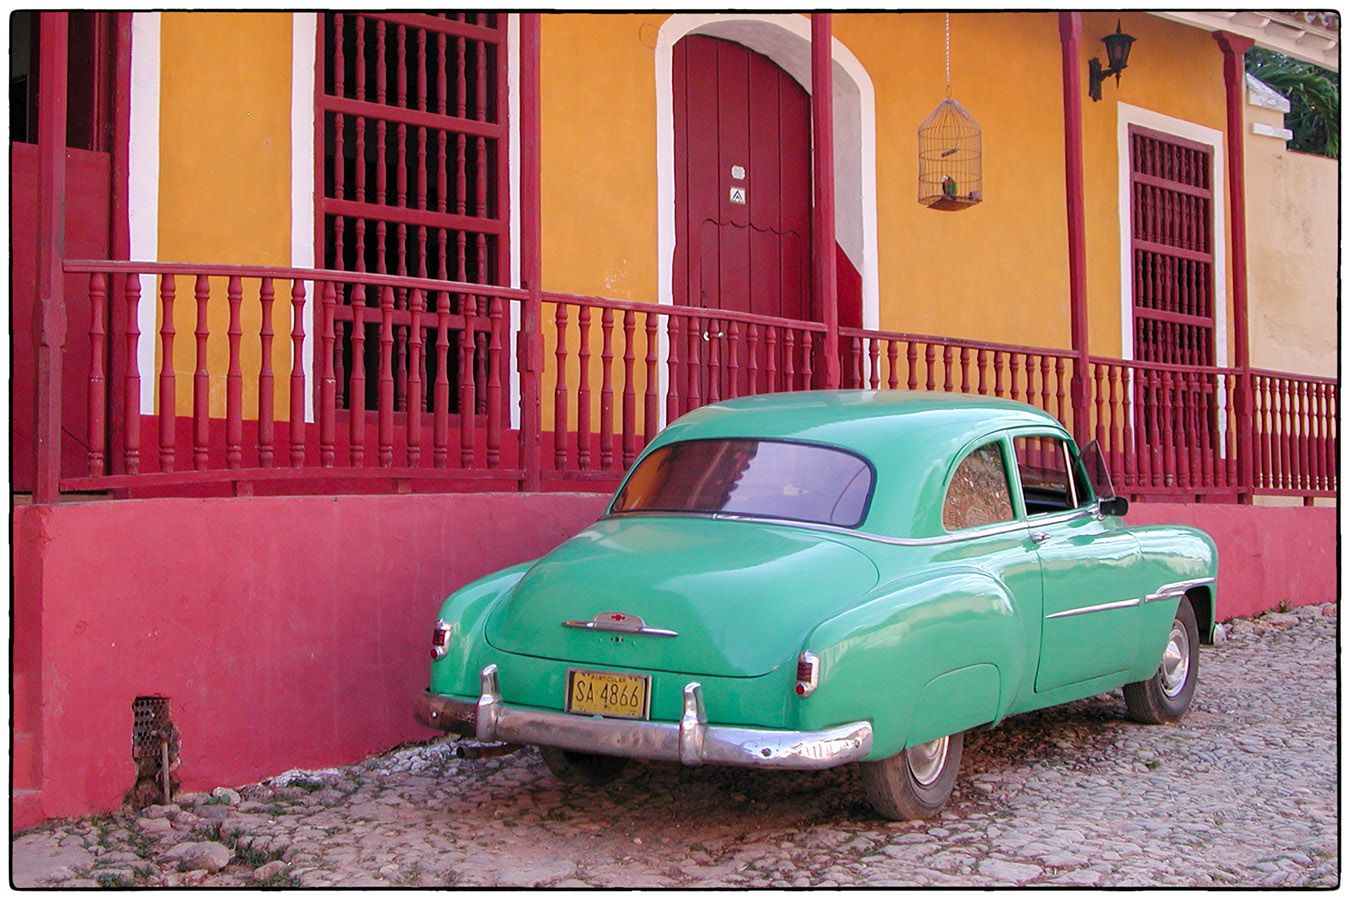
[(785, 39)]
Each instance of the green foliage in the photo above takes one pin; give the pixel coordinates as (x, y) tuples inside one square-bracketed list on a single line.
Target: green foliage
[(1314, 99)]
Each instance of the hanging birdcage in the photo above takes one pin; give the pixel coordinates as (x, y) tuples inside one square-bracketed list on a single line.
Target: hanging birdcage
[(949, 150), (949, 158)]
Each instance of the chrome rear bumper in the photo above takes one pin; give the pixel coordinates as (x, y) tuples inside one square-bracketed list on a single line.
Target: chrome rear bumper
[(691, 741)]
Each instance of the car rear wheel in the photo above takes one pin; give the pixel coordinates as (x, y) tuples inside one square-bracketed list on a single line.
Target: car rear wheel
[(590, 769), (1167, 695), (916, 782)]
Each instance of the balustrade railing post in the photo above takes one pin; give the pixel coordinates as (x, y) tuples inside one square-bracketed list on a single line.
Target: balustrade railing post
[(1245, 436)]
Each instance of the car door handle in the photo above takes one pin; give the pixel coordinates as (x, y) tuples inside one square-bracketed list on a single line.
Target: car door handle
[(1040, 537)]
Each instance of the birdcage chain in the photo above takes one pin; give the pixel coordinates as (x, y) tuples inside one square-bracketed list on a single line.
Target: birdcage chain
[(948, 25)]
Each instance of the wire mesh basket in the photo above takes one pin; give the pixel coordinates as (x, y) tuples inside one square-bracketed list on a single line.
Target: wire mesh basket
[(949, 158)]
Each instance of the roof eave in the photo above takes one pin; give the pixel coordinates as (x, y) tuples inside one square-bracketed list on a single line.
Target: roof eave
[(1283, 32)]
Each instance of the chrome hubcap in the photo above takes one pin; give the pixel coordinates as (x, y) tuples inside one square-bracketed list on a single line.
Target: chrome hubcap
[(1176, 661), (926, 760)]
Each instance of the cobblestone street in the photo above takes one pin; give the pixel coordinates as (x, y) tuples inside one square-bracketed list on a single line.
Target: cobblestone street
[(1243, 792)]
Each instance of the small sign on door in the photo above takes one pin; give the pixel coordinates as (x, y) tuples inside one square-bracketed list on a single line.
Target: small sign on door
[(738, 173), (738, 195)]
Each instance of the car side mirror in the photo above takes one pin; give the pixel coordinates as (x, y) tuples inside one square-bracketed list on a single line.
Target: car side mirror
[(1114, 506)]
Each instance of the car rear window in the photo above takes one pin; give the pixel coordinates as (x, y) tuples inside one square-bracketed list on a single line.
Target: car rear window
[(770, 479)]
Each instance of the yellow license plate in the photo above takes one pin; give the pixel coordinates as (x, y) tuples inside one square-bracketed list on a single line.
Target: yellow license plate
[(608, 694)]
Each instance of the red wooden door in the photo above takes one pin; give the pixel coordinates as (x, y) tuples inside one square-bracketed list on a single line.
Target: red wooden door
[(88, 222), (742, 197)]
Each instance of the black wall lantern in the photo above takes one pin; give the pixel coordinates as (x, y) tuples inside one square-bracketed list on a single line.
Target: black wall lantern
[(1117, 58)]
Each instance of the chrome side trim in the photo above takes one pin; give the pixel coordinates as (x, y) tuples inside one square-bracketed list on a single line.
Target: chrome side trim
[(1177, 589), (691, 740), (969, 535), (1115, 604), (623, 623)]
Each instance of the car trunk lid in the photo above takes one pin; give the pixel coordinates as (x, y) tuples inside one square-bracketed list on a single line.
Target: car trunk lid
[(740, 596)]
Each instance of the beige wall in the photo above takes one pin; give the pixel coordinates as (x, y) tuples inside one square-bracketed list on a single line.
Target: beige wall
[(1293, 211)]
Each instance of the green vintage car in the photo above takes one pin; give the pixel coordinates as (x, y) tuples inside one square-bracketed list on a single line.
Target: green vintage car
[(806, 580)]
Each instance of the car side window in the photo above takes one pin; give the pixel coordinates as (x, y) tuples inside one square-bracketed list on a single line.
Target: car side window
[(978, 493), (1048, 484)]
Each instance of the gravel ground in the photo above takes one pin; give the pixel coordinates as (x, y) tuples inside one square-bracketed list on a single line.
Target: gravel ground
[(1243, 792)]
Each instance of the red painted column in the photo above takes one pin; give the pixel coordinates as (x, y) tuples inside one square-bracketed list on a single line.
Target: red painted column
[(822, 132), (49, 327), (1234, 82), (1070, 37), (120, 233), (530, 346)]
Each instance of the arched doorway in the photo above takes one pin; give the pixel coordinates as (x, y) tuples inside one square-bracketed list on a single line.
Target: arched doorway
[(742, 182), (784, 39)]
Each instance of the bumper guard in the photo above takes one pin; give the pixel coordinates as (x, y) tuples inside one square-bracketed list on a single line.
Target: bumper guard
[(691, 741)]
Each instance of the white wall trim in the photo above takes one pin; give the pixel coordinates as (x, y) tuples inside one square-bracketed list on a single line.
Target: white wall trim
[(143, 186), (1274, 131), (304, 35), (1127, 115)]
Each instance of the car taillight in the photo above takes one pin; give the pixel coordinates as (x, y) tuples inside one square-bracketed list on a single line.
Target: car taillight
[(440, 639), (808, 674)]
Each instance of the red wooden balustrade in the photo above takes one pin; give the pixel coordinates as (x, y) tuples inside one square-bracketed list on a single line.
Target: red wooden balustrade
[(895, 360), (674, 358), (409, 384), (452, 359)]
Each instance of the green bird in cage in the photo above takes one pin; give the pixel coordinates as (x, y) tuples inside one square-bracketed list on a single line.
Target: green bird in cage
[(949, 187)]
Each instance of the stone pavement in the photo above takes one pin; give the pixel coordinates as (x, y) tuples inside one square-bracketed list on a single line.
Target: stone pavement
[(1243, 792)]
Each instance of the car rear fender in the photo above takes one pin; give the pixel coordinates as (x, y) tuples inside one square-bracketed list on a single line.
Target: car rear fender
[(466, 611), (933, 654)]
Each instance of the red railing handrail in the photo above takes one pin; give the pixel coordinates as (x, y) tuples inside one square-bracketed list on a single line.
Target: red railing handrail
[(1161, 367), (954, 342), (1294, 376), (647, 306), (78, 266)]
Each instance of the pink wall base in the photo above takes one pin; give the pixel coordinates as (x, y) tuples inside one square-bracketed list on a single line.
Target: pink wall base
[(293, 631), (1267, 555), (286, 631)]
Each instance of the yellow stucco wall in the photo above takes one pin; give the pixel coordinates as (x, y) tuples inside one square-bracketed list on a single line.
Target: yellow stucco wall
[(1293, 211), (225, 179), (997, 271)]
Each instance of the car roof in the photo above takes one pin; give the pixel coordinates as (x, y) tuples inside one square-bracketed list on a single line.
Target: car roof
[(910, 437)]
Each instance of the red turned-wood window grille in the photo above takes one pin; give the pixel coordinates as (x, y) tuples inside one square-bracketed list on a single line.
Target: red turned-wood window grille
[(1172, 248), (413, 173)]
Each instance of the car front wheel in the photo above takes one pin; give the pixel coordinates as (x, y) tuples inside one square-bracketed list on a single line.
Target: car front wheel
[(590, 769), (916, 782), (1167, 695)]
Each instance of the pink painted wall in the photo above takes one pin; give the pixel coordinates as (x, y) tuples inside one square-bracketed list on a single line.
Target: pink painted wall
[(287, 631), (293, 631), (1267, 555)]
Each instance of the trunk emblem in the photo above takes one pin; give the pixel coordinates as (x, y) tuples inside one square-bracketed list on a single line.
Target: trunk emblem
[(624, 623)]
